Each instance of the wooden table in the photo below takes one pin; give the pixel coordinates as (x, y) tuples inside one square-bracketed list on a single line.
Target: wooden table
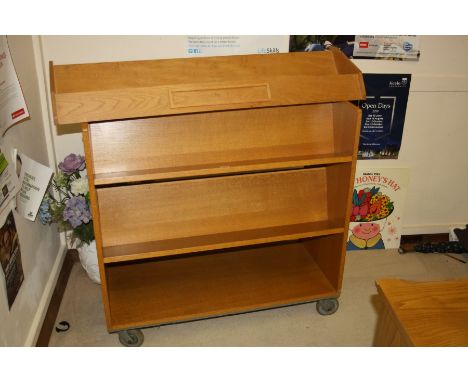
[(422, 313)]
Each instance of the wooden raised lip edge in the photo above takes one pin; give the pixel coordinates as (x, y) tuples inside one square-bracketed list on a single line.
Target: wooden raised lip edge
[(217, 246), (157, 174), (204, 316)]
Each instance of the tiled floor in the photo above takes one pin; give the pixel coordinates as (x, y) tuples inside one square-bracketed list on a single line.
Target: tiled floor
[(352, 325)]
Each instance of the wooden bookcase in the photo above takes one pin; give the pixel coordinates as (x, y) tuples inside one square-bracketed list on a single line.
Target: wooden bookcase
[(218, 185)]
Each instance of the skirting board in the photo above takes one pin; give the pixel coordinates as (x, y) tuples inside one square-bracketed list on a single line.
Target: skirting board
[(50, 318), (430, 229), (46, 297)]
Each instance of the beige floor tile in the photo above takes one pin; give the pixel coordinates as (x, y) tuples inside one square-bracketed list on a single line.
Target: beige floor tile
[(352, 325)]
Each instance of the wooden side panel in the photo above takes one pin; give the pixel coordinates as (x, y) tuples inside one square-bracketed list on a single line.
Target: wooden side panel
[(162, 211), (338, 181), (340, 178), (96, 219), (52, 91), (327, 253), (210, 139), (344, 65), (387, 332)]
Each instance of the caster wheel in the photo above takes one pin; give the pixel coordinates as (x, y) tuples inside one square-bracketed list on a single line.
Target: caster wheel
[(131, 337), (327, 307)]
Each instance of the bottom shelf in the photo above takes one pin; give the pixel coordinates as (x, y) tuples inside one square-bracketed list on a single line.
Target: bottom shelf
[(148, 293)]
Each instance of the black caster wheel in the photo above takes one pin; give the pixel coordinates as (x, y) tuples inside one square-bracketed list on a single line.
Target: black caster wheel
[(131, 337), (327, 307)]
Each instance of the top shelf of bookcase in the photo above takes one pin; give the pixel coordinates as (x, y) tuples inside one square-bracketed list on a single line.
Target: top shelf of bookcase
[(138, 89)]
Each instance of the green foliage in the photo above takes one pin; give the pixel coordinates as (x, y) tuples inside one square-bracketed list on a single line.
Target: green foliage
[(84, 233)]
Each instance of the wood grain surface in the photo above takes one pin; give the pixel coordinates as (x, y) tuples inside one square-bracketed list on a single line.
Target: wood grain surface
[(136, 89), (191, 244), (190, 208), (213, 138), (150, 293), (426, 313), (192, 155)]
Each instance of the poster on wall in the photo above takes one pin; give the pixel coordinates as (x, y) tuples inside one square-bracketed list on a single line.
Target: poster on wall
[(203, 46), (9, 183), (377, 208), (34, 180), (317, 43), (13, 107), (404, 47), (383, 115), (10, 258), (360, 46)]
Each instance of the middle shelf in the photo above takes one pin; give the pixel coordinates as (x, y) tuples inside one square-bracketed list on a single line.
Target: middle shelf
[(160, 219), (147, 250)]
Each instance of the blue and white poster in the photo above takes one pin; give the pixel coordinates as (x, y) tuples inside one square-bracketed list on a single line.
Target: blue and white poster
[(219, 45), (378, 47), (402, 47), (383, 115)]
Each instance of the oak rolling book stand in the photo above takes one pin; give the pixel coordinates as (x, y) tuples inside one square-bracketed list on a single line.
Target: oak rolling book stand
[(218, 185)]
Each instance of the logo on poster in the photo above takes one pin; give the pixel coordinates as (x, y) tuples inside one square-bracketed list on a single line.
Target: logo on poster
[(194, 51), (363, 44), (407, 46), (17, 113), (398, 84)]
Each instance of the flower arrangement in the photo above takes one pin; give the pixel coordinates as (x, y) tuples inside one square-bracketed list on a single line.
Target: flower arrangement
[(67, 201), (370, 204)]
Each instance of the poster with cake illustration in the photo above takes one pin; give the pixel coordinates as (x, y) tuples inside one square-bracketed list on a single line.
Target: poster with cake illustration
[(377, 208)]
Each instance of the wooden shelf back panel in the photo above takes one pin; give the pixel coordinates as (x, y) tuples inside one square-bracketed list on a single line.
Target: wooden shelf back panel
[(161, 211), (223, 240), (346, 127), (207, 139), (136, 89), (177, 289)]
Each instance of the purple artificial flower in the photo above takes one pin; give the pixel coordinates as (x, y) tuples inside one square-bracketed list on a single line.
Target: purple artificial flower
[(76, 211), (72, 163)]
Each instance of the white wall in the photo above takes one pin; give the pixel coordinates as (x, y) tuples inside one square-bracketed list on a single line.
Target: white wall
[(435, 129), (435, 132), (41, 249)]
